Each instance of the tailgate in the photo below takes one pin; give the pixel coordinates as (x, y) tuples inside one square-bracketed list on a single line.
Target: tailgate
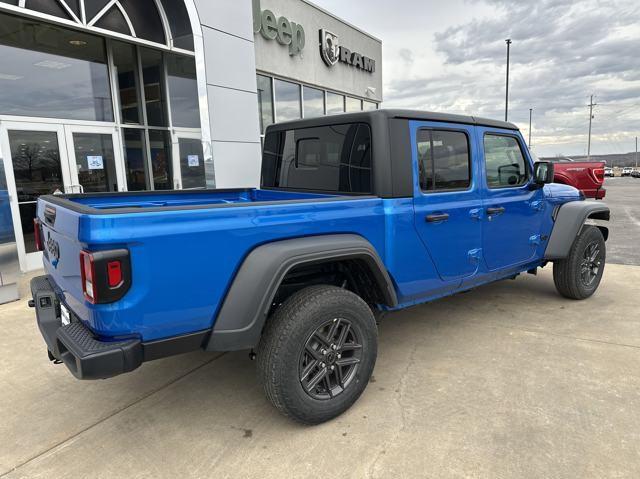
[(61, 253)]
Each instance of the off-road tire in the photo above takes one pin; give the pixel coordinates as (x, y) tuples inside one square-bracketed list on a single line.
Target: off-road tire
[(568, 273), (284, 344)]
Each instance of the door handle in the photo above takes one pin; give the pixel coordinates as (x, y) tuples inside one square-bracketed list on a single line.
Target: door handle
[(498, 210), (437, 218)]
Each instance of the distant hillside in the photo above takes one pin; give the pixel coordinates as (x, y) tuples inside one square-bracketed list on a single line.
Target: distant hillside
[(621, 159)]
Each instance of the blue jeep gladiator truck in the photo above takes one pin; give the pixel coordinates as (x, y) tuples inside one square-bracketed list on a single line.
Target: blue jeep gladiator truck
[(357, 215)]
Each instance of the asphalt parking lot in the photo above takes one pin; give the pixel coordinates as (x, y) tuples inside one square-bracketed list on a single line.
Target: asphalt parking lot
[(507, 381)]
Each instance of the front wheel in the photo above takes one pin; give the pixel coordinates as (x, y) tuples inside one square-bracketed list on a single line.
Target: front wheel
[(579, 274), (317, 353)]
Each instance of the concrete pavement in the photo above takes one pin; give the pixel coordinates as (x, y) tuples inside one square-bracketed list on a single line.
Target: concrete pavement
[(509, 380)]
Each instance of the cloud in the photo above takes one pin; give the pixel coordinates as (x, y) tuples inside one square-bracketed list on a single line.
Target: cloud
[(563, 51)]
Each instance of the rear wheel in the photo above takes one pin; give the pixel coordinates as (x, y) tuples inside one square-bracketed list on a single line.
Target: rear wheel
[(579, 274), (317, 353)]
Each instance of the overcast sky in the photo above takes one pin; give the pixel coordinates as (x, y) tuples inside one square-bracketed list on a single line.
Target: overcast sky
[(451, 56)]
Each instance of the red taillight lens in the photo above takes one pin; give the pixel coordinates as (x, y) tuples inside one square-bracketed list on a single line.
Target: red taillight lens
[(87, 269), (114, 273), (106, 275), (37, 231), (598, 174)]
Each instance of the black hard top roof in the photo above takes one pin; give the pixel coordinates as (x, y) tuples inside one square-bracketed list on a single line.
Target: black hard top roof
[(367, 116)]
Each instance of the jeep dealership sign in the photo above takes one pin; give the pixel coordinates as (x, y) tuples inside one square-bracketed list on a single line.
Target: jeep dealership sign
[(332, 52), (278, 28)]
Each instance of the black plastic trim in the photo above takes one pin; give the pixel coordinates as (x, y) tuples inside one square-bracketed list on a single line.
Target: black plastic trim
[(90, 358), (569, 221), (245, 308)]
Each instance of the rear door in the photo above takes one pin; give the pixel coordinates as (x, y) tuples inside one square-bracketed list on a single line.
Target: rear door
[(513, 211), (447, 198)]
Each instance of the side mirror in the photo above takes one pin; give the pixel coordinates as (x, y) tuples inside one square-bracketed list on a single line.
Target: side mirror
[(543, 172)]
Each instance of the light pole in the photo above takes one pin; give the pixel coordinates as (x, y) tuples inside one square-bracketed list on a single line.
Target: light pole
[(530, 117), (591, 105), (506, 102)]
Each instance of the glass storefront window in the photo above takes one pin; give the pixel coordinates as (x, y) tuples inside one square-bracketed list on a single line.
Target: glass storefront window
[(160, 145), (152, 72), (335, 103), (126, 69), (47, 71), (369, 105), (287, 100), (353, 104), (183, 91), (192, 163), (135, 163), (265, 102), (313, 102)]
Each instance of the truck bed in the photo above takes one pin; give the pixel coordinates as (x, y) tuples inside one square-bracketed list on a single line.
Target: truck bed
[(184, 246)]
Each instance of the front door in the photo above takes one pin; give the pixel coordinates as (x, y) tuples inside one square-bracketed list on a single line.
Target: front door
[(447, 200), (513, 210), (43, 159)]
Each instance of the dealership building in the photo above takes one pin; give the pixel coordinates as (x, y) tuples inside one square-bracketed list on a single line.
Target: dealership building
[(131, 95)]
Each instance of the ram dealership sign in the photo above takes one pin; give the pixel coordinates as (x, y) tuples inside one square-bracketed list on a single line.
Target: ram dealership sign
[(277, 28), (332, 52)]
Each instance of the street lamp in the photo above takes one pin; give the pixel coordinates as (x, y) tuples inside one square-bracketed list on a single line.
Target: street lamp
[(506, 102), (530, 116)]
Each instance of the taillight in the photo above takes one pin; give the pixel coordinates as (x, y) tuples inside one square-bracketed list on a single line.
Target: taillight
[(37, 231), (598, 174), (88, 273), (106, 275)]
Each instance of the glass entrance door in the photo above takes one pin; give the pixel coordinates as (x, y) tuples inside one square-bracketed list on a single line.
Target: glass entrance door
[(95, 161), (35, 164)]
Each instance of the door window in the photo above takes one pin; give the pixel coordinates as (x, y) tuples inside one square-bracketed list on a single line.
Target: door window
[(443, 160), (192, 163), (95, 162), (37, 170), (505, 163)]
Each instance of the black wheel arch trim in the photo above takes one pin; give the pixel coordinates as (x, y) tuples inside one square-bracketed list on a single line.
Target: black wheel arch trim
[(244, 310), (570, 218)]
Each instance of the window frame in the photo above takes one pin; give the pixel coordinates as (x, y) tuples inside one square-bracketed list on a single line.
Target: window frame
[(445, 190), (527, 164), (282, 133)]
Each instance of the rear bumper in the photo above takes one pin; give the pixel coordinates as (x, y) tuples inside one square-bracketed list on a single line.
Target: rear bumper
[(597, 194), (89, 358)]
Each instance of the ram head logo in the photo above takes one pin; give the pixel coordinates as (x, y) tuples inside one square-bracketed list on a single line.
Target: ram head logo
[(329, 47)]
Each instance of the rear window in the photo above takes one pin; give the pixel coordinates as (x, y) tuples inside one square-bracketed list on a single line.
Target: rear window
[(332, 159)]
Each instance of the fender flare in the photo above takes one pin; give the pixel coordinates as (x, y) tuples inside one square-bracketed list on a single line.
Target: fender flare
[(244, 310), (570, 218)]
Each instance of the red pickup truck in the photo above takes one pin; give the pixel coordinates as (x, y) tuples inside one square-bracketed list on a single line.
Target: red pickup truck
[(587, 176)]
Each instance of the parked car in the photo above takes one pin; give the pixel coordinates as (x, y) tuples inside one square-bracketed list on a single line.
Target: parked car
[(357, 215), (608, 172), (626, 171), (587, 176), (635, 173)]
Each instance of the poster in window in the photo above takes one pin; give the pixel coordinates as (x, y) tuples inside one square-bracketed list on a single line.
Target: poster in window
[(193, 161), (95, 162)]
